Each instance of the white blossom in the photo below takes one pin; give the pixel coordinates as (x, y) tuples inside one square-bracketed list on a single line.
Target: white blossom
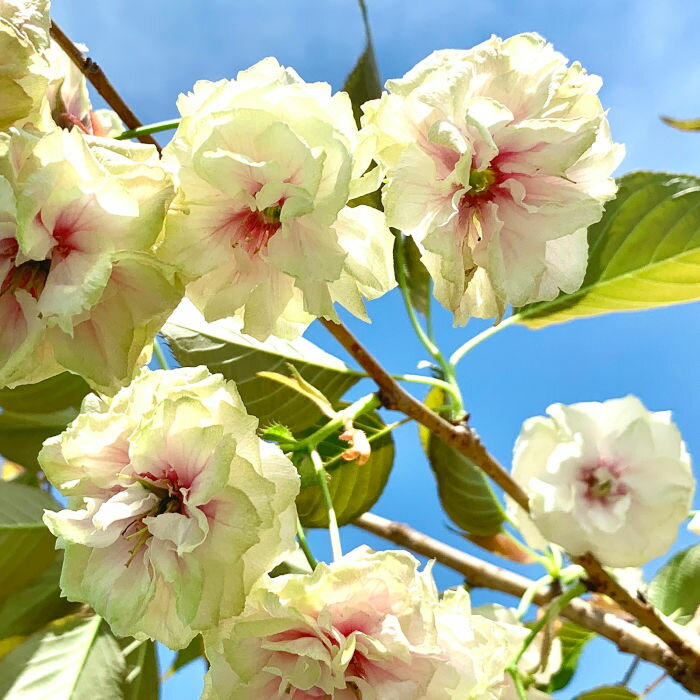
[(498, 159), (176, 506), (80, 287), (609, 478), (369, 625), (68, 98), (266, 165)]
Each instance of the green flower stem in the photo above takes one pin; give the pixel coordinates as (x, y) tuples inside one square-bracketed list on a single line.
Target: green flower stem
[(530, 593), (160, 355), (148, 129), (363, 405), (131, 648), (552, 611), (333, 531), (433, 381), (446, 366), (461, 351), (403, 285), (518, 683), (304, 545)]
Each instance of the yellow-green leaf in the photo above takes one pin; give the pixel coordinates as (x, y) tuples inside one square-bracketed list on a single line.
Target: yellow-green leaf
[(74, 658), (683, 124), (608, 692), (675, 590), (55, 394)]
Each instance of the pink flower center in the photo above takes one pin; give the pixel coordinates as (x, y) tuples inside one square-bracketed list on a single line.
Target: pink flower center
[(30, 276), (167, 487), (253, 229), (603, 482), (484, 186)]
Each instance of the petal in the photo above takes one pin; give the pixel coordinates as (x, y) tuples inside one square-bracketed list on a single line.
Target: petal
[(140, 295)]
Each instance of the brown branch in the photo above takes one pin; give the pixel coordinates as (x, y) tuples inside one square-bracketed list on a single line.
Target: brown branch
[(601, 582), (100, 82), (481, 574), (466, 441), (394, 397)]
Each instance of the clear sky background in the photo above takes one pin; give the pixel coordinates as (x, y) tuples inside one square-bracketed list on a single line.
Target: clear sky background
[(648, 54)]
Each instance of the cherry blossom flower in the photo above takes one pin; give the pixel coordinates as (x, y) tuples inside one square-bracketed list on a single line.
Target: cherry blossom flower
[(176, 506), (369, 626), (266, 165), (694, 525), (80, 288), (24, 35), (609, 478), (498, 159)]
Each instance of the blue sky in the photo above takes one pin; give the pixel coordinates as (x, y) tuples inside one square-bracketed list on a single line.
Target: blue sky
[(649, 57)]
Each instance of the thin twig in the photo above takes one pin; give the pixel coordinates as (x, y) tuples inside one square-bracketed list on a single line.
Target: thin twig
[(481, 574), (99, 81), (653, 685), (630, 671)]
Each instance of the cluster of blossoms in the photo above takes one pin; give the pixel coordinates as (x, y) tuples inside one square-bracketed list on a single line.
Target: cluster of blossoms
[(177, 511), (496, 160)]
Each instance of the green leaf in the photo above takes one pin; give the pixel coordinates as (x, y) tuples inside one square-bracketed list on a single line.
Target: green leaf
[(25, 611), (354, 488), (278, 433), (415, 274), (26, 545), (364, 83), (608, 692), (193, 651), (74, 658), (223, 348), (295, 563), (683, 124), (643, 253), (22, 434), (62, 391), (463, 489), (573, 639), (142, 680), (675, 589)]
